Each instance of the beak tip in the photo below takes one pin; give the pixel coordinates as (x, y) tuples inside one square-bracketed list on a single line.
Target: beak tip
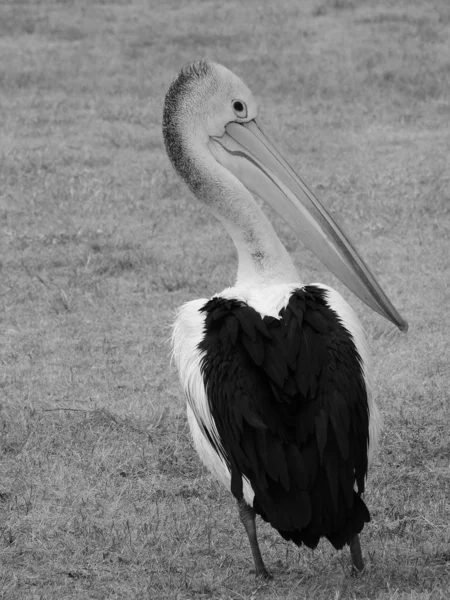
[(403, 326)]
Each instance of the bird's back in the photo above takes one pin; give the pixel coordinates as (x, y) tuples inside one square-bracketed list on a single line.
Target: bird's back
[(289, 402)]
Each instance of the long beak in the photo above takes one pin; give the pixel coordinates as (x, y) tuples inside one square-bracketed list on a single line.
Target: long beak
[(260, 167)]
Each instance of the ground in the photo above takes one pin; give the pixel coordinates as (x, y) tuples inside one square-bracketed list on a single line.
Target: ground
[(101, 493)]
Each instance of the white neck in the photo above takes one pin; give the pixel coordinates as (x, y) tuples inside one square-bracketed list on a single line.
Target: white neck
[(262, 258)]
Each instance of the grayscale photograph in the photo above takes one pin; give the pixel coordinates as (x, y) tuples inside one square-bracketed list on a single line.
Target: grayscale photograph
[(224, 300)]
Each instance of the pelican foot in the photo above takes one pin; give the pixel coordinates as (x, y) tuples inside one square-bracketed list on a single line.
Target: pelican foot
[(263, 575), (356, 572)]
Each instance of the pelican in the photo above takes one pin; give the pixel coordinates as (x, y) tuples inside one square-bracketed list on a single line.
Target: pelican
[(276, 373)]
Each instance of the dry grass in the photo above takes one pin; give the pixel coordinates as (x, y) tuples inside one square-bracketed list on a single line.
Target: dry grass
[(101, 494)]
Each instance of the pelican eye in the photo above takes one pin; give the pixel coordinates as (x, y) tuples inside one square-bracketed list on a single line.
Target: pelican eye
[(240, 108)]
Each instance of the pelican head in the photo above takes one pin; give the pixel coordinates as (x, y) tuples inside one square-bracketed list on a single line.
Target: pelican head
[(216, 145)]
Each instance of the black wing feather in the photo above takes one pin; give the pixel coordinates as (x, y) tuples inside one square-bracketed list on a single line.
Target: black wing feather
[(290, 405), (233, 328)]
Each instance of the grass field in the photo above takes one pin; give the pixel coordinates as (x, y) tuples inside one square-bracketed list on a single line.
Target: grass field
[(101, 493)]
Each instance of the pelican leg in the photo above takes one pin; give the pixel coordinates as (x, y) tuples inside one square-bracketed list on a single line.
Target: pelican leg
[(355, 552), (247, 515)]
